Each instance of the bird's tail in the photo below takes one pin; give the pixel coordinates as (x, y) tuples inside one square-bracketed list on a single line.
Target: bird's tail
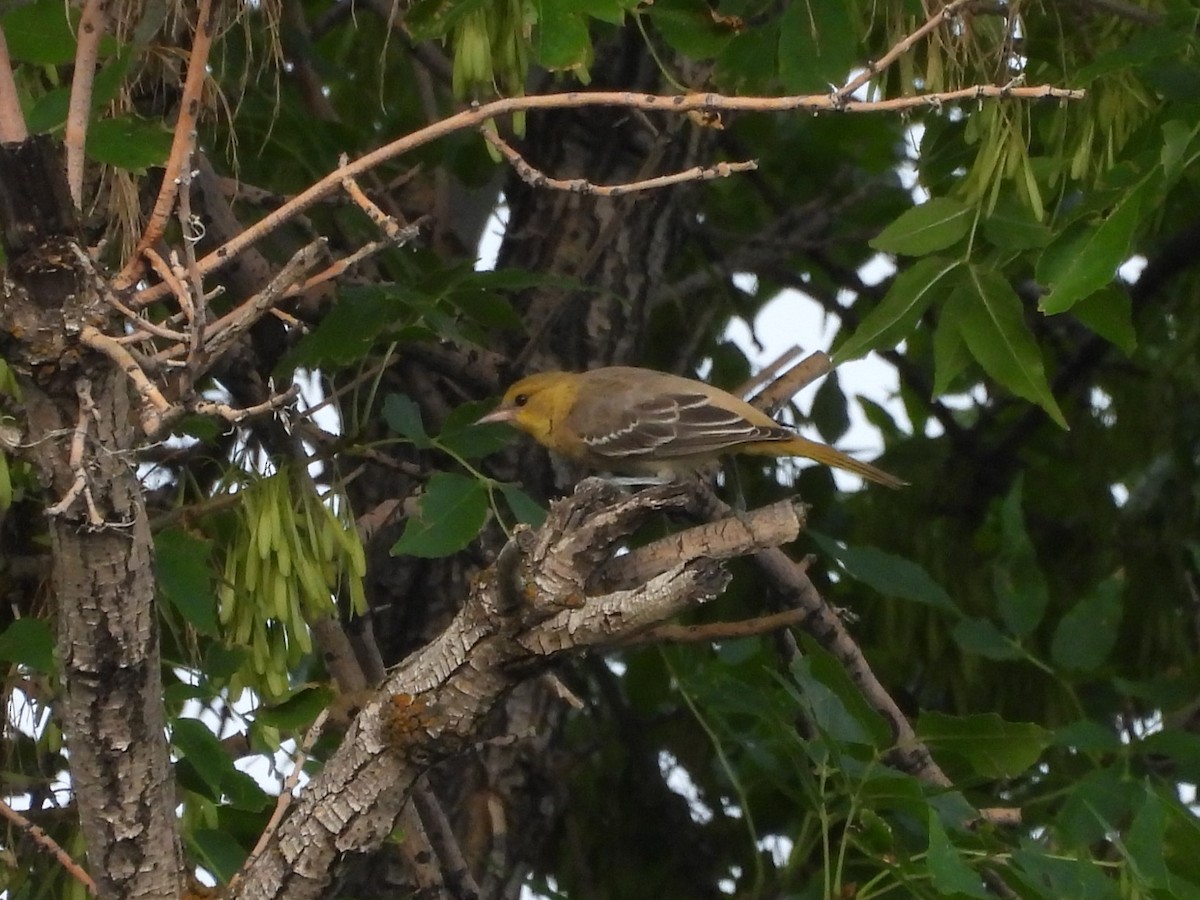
[(823, 453)]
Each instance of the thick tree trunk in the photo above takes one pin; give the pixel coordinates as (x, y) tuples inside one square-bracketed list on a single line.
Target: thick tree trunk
[(80, 431)]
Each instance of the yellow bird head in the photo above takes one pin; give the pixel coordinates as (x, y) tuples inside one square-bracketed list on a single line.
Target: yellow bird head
[(535, 403)]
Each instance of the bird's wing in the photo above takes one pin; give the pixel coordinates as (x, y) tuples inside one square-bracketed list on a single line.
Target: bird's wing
[(674, 425)]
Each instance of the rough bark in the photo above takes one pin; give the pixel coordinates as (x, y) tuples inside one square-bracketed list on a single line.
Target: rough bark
[(80, 433), (535, 603)]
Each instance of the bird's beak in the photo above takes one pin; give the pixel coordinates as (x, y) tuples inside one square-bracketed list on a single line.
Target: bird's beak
[(500, 414)]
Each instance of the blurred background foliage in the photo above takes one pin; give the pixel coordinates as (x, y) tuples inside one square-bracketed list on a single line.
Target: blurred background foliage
[(1023, 272)]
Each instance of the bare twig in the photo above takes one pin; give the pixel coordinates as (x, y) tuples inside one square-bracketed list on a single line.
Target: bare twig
[(12, 119), (225, 330), (385, 223), (87, 412), (441, 836), (235, 415), (48, 844), (718, 631), (537, 178), (154, 406), (192, 302), (768, 372), (92, 26), (901, 47), (341, 266), (787, 385), (185, 126)]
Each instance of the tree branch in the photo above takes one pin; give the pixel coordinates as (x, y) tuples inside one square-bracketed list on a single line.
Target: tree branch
[(478, 114), (92, 26), (537, 601), (12, 119)]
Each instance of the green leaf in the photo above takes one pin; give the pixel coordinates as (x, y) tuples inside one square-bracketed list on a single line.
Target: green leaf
[(403, 416), (461, 436), (934, 225), (992, 747), (891, 575), (451, 511), (298, 711), (1176, 148), (524, 507), (830, 412), (993, 325), (49, 112), (1087, 634), (747, 64), (218, 852), (834, 703), (6, 486), (950, 875), (243, 792), (981, 637), (182, 568), (1109, 313), (1087, 736), (1144, 843), (350, 328), (1062, 877), (128, 142), (42, 33), (1096, 803), (1182, 748), (427, 19), (203, 751), (950, 354), (818, 45), (689, 27), (898, 313), (1013, 226), (1020, 586), (1086, 257), (562, 40), (28, 642)]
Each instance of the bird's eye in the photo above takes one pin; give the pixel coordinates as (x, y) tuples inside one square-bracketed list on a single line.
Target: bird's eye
[(520, 399)]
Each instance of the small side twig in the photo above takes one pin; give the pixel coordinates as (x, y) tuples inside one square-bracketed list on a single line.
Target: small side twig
[(92, 26), (12, 118), (235, 415), (385, 223), (341, 266), (441, 836), (87, 413), (782, 389), (538, 178), (225, 330), (193, 302), (154, 405), (50, 845), (901, 47), (189, 111), (717, 631)]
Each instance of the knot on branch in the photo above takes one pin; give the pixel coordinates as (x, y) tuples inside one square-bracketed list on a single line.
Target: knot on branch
[(583, 532)]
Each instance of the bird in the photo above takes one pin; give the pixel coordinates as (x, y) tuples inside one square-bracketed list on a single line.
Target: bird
[(641, 422)]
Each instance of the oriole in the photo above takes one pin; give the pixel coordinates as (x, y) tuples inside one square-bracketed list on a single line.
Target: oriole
[(641, 422)]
